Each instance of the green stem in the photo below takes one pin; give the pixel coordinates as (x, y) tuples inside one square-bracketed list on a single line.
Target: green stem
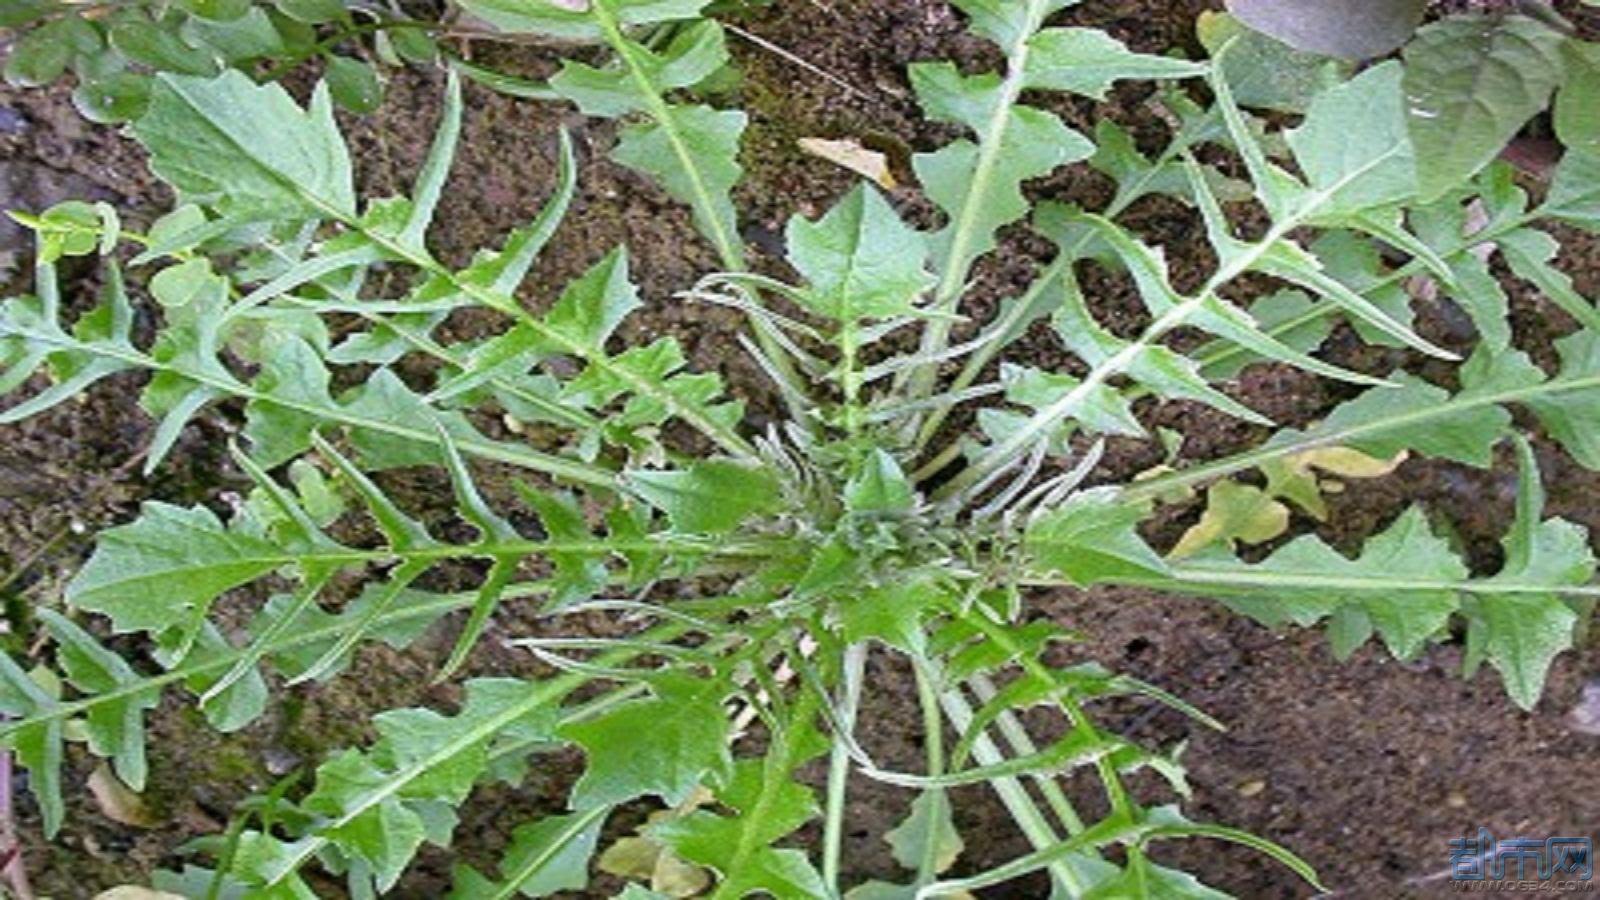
[(1018, 802), (722, 435), (1116, 793), (1211, 354), (418, 257), (483, 448), (544, 693), (727, 243), (1022, 742), (933, 740), (537, 861), (428, 609), (1217, 352), (1013, 318), (919, 382), (1005, 452), (1144, 491), (850, 377), (1246, 579), (854, 662), (573, 418), (777, 769)]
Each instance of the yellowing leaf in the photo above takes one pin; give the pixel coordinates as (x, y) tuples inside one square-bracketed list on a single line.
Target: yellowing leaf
[(676, 878), (1180, 494), (1234, 512), (1294, 477), (630, 857), (1350, 463), (119, 803), (849, 154), (640, 858)]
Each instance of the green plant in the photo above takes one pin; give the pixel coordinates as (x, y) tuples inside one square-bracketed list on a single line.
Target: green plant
[(756, 573), (114, 50)]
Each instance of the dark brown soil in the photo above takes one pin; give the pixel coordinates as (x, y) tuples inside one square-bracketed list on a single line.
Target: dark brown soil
[(1367, 768)]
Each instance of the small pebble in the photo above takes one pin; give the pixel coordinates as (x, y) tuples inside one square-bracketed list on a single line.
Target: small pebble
[(11, 121), (1252, 787), (1455, 800), (1585, 717), (280, 761)]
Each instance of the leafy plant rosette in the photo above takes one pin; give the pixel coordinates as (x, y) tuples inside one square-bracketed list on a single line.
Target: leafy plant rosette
[(754, 574)]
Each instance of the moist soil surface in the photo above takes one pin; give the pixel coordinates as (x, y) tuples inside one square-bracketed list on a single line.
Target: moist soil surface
[(1366, 768)]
